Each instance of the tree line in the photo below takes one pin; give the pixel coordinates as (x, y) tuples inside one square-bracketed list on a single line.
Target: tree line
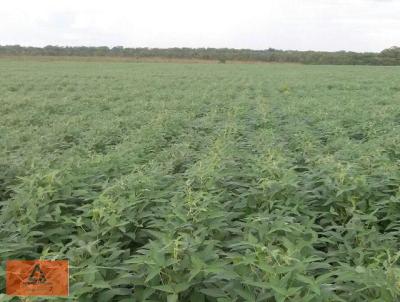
[(390, 56)]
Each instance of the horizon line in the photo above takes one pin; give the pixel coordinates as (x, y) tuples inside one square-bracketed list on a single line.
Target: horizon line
[(185, 47)]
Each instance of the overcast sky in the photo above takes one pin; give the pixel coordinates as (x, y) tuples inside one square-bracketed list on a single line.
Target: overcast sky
[(358, 25)]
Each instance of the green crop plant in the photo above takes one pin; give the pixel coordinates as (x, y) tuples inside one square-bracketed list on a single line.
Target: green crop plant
[(203, 182)]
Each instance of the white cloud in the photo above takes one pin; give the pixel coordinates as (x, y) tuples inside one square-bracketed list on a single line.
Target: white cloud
[(360, 25)]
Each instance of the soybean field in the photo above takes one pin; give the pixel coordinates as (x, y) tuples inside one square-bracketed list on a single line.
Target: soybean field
[(203, 182)]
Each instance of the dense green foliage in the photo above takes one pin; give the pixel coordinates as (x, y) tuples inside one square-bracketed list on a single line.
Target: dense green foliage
[(390, 56), (204, 182)]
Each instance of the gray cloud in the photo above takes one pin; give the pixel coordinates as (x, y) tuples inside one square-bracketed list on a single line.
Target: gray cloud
[(360, 25)]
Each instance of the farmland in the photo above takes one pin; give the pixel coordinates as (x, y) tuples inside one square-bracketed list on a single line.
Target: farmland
[(203, 182)]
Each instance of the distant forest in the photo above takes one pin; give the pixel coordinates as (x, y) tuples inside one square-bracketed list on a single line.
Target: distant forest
[(390, 56)]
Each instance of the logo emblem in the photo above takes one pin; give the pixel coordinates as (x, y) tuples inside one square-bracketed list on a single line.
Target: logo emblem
[(37, 278)]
